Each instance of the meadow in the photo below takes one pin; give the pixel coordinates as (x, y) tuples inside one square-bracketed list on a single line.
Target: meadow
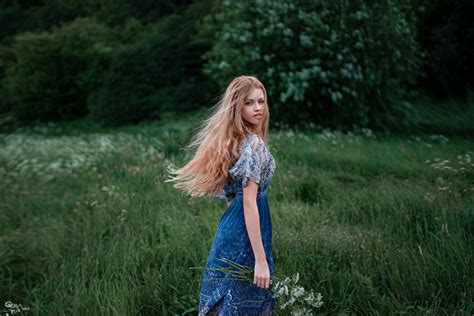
[(377, 223)]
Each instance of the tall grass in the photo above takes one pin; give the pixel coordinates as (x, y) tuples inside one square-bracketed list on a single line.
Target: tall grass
[(376, 223)]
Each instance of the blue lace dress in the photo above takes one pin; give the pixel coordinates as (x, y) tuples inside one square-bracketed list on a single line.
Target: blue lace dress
[(231, 240)]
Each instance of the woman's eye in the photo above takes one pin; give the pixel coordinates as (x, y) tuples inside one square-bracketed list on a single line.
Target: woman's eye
[(261, 102)]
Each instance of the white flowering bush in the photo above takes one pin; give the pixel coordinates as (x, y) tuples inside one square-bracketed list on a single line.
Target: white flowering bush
[(338, 62)]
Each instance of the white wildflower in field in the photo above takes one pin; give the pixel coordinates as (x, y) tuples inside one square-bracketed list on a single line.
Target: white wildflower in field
[(462, 165), (336, 138), (429, 197), (443, 139), (32, 152), (110, 190), (435, 137)]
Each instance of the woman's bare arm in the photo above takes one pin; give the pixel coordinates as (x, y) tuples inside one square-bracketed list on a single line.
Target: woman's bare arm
[(252, 220), (261, 276)]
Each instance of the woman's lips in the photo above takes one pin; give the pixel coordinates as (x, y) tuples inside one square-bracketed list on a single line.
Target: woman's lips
[(257, 115)]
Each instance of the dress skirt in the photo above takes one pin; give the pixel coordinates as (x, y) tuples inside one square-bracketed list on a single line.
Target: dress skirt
[(231, 241)]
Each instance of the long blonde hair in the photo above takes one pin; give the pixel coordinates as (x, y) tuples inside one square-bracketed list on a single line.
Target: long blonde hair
[(218, 140)]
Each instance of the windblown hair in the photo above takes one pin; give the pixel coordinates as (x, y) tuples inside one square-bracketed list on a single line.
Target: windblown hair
[(218, 140)]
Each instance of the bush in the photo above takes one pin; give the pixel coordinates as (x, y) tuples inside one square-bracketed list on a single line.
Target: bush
[(43, 80), (158, 70), (339, 63), (125, 90), (446, 32), (115, 75)]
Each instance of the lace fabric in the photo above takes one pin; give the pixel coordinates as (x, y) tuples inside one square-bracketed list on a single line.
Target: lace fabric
[(257, 165)]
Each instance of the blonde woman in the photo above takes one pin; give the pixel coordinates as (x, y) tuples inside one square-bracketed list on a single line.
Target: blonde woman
[(233, 162)]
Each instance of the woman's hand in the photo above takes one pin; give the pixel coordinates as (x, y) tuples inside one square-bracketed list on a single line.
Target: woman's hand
[(262, 274)]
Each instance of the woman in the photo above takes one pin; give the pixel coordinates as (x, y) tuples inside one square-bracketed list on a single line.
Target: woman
[(233, 162)]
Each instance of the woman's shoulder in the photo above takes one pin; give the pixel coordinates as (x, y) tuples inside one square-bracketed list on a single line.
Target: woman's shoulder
[(251, 143)]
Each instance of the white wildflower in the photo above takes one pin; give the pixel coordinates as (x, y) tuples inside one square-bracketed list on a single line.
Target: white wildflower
[(297, 291), (296, 277)]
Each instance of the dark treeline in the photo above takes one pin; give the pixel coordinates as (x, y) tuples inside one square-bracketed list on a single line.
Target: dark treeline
[(336, 63), (446, 34)]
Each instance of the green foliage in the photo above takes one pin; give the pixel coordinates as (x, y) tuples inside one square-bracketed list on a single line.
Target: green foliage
[(157, 70), (43, 15), (123, 91), (310, 190), (43, 77), (446, 33), (115, 75), (336, 62)]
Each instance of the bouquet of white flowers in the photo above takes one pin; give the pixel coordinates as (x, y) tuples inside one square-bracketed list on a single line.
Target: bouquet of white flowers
[(288, 294)]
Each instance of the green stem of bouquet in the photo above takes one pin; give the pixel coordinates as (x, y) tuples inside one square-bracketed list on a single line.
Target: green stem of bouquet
[(243, 273)]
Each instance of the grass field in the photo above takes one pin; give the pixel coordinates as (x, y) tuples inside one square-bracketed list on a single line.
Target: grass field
[(378, 224)]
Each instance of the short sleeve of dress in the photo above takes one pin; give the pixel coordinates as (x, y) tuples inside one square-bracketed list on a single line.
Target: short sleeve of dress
[(249, 163)]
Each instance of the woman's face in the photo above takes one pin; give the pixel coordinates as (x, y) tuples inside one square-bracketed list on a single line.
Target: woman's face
[(254, 106)]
